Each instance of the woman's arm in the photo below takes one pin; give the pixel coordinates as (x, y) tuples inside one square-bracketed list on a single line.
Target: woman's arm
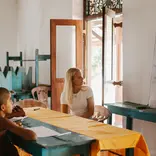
[(90, 112), (12, 127), (64, 108)]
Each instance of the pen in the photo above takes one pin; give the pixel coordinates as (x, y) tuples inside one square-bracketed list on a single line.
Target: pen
[(35, 109), (64, 133)]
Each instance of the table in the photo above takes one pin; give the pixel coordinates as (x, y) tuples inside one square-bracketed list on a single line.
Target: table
[(65, 145), (132, 110), (107, 137)]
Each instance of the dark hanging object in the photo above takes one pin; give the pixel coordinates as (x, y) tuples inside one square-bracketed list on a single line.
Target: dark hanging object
[(94, 7)]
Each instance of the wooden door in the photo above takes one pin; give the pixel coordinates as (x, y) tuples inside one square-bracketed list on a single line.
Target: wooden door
[(58, 83)]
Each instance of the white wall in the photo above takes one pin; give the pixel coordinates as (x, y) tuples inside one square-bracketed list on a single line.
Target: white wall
[(77, 9), (8, 29), (34, 28), (139, 29)]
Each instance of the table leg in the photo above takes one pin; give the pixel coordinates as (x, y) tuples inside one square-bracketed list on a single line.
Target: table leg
[(129, 125), (109, 120), (87, 154), (130, 152)]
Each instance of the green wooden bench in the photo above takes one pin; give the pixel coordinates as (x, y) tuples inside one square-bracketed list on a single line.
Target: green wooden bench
[(38, 58), (19, 81)]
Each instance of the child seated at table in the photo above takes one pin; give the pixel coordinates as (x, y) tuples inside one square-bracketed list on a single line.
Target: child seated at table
[(6, 146)]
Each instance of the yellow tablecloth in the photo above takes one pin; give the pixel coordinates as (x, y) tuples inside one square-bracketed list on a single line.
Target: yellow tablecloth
[(107, 137)]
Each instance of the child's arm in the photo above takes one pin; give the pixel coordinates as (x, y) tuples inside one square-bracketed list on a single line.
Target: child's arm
[(16, 112), (26, 134)]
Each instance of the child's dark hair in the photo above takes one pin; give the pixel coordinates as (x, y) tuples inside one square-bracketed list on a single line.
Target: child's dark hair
[(3, 95)]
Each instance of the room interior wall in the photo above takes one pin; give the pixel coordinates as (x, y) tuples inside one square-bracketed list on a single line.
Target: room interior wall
[(139, 32), (8, 30), (34, 29), (25, 26)]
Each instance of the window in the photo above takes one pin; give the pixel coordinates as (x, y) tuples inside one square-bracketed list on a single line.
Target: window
[(94, 58), (112, 60), (103, 61)]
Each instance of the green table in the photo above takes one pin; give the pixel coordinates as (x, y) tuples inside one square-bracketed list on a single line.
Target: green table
[(65, 145), (130, 111)]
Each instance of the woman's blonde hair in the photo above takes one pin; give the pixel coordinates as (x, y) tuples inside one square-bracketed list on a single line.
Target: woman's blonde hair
[(68, 86)]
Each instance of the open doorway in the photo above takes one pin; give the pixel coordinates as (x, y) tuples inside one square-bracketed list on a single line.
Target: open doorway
[(66, 52), (112, 60)]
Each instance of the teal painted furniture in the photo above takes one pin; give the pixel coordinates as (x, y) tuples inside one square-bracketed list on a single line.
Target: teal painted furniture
[(14, 58), (22, 90), (6, 79), (65, 145), (132, 110), (36, 60), (17, 80)]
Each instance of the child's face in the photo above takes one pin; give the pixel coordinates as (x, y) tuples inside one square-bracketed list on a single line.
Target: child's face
[(7, 108)]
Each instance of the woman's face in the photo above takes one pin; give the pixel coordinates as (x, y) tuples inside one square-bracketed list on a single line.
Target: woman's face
[(77, 79)]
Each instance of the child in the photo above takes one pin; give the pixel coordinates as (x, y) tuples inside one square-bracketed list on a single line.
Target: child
[(5, 109)]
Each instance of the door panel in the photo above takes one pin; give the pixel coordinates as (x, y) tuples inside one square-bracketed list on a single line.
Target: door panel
[(66, 52)]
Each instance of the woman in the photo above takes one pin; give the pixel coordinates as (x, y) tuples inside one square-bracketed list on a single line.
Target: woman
[(76, 97)]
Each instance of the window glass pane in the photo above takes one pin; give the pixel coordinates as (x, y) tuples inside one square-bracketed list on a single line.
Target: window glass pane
[(109, 72), (95, 58), (112, 62), (65, 49)]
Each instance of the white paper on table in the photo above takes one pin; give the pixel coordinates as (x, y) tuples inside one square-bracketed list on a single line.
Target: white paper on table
[(14, 119), (42, 131)]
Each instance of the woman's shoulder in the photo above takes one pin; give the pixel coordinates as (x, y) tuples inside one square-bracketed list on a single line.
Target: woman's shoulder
[(88, 91), (86, 88)]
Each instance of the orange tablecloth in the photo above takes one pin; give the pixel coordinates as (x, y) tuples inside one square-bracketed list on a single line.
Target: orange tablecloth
[(107, 137)]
